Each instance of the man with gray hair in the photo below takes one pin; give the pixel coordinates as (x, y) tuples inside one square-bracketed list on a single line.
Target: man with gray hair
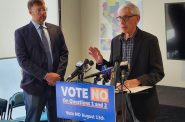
[(141, 50)]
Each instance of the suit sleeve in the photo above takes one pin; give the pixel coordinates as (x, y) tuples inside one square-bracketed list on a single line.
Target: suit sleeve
[(156, 71), (63, 59), (23, 57)]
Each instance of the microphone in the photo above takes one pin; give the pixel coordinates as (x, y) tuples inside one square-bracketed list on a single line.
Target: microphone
[(91, 62), (115, 74), (99, 73), (125, 69), (124, 65), (80, 68), (107, 71), (87, 67)]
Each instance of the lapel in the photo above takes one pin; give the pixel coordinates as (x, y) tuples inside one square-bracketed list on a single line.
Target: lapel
[(137, 46), (35, 34), (51, 35), (116, 49)]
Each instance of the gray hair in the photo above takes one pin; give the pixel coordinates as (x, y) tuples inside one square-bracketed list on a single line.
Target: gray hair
[(133, 8)]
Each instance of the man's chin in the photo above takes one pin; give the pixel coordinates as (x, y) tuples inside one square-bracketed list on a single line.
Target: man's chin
[(42, 21), (123, 30)]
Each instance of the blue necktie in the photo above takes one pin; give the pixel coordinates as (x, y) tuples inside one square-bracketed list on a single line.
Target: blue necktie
[(46, 48)]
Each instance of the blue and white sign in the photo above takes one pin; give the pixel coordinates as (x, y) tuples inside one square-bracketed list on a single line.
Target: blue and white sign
[(85, 102)]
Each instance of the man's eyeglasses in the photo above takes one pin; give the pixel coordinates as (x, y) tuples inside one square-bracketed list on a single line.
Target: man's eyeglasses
[(40, 10), (124, 18)]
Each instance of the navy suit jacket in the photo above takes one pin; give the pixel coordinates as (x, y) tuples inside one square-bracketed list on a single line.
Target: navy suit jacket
[(32, 57), (147, 67)]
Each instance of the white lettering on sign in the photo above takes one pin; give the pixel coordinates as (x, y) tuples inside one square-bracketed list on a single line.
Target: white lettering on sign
[(75, 92)]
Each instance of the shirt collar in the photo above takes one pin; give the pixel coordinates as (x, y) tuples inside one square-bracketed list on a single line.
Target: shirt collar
[(37, 25), (131, 38)]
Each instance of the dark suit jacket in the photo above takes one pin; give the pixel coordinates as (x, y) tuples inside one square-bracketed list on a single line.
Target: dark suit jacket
[(147, 67), (32, 57)]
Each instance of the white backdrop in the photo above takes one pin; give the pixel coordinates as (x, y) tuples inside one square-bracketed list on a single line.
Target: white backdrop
[(14, 14)]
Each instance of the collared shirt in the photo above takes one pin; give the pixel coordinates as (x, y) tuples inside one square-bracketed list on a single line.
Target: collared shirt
[(127, 48), (37, 26)]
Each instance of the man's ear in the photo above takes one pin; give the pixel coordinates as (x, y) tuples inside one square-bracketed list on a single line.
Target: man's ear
[(138, 18), (30, 12)]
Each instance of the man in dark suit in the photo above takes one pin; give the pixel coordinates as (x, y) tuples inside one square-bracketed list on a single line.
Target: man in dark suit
[(43, 56), (141, 50)]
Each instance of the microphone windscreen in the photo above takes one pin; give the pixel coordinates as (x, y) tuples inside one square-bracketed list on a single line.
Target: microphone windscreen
[(79, 64), (86, 61), (91, 62), (106, 70)]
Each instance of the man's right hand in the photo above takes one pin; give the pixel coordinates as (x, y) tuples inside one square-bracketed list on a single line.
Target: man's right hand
[(51, 78), (95, 53)]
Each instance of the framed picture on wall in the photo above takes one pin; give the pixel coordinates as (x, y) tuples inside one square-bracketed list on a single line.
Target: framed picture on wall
[(175, 30)]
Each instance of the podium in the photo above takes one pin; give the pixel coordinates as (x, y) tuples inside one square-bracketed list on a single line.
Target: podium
[(85, 102), (91, 103)]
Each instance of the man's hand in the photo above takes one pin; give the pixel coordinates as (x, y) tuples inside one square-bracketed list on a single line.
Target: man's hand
[(95, 53), (131, 83), (51, 78)]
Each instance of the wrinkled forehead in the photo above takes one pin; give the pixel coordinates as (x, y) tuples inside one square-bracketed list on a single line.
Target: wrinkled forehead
[(124, 11)]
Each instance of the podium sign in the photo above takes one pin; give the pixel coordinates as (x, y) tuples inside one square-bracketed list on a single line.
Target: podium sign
[(85, 102)]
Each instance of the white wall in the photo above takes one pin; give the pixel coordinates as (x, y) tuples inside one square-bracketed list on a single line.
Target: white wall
[(71, 27), (90, 24), (10, 75)]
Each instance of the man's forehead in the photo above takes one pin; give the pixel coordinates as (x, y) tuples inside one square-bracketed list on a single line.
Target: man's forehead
[(125, 11), (38, 5)]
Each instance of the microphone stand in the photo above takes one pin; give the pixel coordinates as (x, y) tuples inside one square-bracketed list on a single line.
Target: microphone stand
[(96, 79), (124, 75), (105, 79), (80, 76), (122, 95)]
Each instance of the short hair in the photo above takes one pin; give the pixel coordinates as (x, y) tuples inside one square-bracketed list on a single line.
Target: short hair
[(133, 8), (33, 2)]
